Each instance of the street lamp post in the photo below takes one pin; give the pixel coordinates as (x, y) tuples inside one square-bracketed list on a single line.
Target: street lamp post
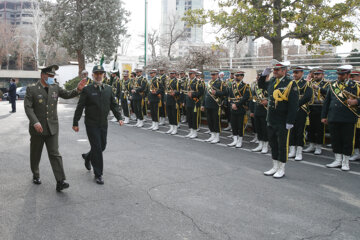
[(145, 34)]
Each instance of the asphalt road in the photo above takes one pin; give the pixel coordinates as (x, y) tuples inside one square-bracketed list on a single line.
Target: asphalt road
[(167, 187)]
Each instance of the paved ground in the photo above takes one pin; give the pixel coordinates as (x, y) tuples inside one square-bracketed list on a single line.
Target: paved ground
[(168, 187)]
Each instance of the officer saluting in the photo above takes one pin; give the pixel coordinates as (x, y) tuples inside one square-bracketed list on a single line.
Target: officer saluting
[(97, 99), (41, 108), (283, 105)]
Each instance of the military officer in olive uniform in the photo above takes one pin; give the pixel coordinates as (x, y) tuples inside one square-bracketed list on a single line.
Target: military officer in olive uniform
[(283, 103), (172, 102), (341, 116), (40, 105), (97, 99), (239, 94), (156, 91), (297, 133), (214, 94)]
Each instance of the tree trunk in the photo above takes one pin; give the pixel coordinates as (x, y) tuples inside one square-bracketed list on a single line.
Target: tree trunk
[(81, 61), (277, 49), (277, 40)]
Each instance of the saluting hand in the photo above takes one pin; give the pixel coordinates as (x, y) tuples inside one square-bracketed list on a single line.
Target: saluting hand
[(75, 128), (81, 85)]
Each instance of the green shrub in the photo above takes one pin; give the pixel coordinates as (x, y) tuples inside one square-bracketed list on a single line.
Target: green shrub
[(72, 84)]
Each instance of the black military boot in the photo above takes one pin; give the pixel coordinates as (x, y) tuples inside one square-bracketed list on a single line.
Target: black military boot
[(87, 162), (61, 185), (99, 180), (36, 180)]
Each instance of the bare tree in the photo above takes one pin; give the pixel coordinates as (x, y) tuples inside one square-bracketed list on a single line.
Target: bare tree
[(174, 32), (200, 58), (153, 42), (124, 41)]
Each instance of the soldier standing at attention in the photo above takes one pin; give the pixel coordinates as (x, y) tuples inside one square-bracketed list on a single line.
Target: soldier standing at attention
[(194, 91), (84, 75), (340, 112), (240, 94), (138, 93), (283, 104), (156, 91), (316, 129), (215, 91), (355, 76), (297, 133), (97, 99), (124, 96), (183, 82), (172, 102), (41, 108), (164, 81)]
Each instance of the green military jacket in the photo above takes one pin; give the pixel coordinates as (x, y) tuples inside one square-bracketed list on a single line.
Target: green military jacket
[(41, 107)]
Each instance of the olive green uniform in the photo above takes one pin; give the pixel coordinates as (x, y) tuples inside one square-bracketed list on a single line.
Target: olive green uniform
[(41, 107)]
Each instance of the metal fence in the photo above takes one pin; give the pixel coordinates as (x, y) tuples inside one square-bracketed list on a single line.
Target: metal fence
[(327, 61)]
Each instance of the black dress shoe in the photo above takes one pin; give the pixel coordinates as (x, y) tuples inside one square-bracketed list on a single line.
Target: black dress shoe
[(99, 180), (36, 180), (61, 185), (87, 162)]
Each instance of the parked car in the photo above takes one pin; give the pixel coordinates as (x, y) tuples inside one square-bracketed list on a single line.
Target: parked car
[(20, 94)]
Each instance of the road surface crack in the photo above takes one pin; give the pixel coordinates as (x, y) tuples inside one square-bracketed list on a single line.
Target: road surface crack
[(338, 225), (194, 223)]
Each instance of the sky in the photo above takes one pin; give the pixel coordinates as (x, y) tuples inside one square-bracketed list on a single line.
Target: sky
[(137, 20)]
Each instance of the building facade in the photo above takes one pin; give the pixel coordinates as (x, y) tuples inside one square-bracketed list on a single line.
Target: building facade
[(16, 12), (171, 13)]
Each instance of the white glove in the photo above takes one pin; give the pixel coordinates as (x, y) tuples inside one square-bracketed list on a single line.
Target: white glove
[(128, 102), (266, 71), (289, 126)]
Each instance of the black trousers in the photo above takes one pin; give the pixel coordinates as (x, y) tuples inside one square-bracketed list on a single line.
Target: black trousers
[(227, 110), (154, 109), (162, 110), (279, 141), (125, 107), (172, 113), (138, 109), (145, 107), (357, 140), (193, 117), (213, 119), (297, 133), (316, 129), (237, 124), (253, 124), (261, 128), (97, 138), (13, 104), (342, 137)]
